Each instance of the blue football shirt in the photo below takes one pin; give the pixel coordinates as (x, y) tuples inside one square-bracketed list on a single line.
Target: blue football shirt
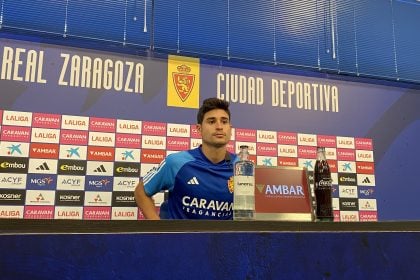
[(198, 188)]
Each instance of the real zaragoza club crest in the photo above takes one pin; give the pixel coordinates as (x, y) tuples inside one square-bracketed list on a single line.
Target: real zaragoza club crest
[(183, 81)]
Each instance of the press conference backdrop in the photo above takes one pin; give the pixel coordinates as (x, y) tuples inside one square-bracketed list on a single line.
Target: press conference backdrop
[(79, 127)]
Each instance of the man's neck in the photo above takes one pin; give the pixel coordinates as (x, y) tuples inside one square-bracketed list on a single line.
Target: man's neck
[(214, 154)]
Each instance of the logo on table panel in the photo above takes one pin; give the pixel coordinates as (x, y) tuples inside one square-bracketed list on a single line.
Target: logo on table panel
[(366, 180), (129, 126), (68, 213), (267, 149), (14, 149), (365, 167), (306, 152), (41, 181), (368, 216), (346, 154), (99, 153), (367, 204), (153, 142), (287, 151), (43, 166), (245, 135), (39, 212), (98, 198), (154, 128), (45, 135), (307, 139), (125, 183), (349, 216), (127, 169), (178, 130), (74, 137), (123, 199), (365, 156), (12, 180), (345, 142), (128, 141), (177, 143), (152, 156), (40, 197), (287, 138), (265, 136), (46, 120), (366, 192), (124, 213), (127, 155), (44, 150), (101, 139), (327, 141), (266, 161), (69, 198), (347, 179), (306, 162), (347, 191), (349, 204), (73, 152), (67, 182), (102, 124), (99, 183), (13, 165), (15, 118), (74, 122), (346, 166), (97, 213), (99, 168), (12, 197), (71, 167), (16, 133), (252, 147), (363, 144), (11, 212)]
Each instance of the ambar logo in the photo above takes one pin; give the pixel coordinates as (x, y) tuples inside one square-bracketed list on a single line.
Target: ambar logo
[(43, 150)]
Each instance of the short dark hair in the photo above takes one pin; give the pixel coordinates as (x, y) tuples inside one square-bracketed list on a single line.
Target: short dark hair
[(211, 104)]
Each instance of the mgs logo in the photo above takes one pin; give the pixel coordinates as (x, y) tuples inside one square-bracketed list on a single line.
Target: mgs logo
[(183, 81)]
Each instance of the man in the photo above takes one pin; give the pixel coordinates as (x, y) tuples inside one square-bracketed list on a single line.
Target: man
[(199, 181)]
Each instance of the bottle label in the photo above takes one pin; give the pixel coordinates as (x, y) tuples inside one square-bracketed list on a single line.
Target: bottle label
[(244, 185), (324, 184)]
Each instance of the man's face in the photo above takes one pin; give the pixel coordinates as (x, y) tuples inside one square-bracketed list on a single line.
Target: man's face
[(216, 128)]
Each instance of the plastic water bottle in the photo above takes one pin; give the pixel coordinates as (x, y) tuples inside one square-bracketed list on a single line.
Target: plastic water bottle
[(244, 187)]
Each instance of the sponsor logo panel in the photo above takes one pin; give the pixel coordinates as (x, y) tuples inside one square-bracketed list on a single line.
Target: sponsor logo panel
[(349, 204), (245, 135), (69, 198), (252, 147), (366, 180), (267, 161), (196, 134), (98, 198), (327, 141), (348, 191), (365, 167), (347, 179), (46, 120), (14, 165), (74, 122), (307, 139), (287, 138), (102, 124), (333, 165), (366, 192), (367, 204), (265, 136), (12, 197), (16, 118), (14, 149), (127, 155), (127, 169), (307, 162), (128, 141), (99, 168), (368, 216), (345, 142), (74, 137), (152, 156), (98, 153), (307, 152), (366, 156), (194, 143), (97, 213), (16, 133), (287, 151), (71, 167), (178, 130), (45, 135), (123, 199), (40, 197), (153, 142), (331, 153), (336, 204), (154, 128), (67, 182), (44, 150), (68, 213), (73, 152), (101, 139), (177, 143), (346, 154), (125, 183), (349, 216), (267, 149), (146, 167), (1, 117), (99, 183), (124, 213), (11, 212), (38, 212), (363, 144), (41, 181), (346, 166), (13, 180), (129, 126)]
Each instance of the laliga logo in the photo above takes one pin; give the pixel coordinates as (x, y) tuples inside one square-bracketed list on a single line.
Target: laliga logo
[(183, 81)]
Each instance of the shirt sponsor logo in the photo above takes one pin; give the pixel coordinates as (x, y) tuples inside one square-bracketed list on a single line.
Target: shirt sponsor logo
[(345, 142), (267, 149), (13, 165), (129, 126), (74, 137), (11, 212), (39, 212), (367, 204), (346, 155), (264, 136), (44, 150), (38, 197), (124, 213), (12, 180), (16, 133), (347, 166), (363, 144), (349, 216), (100, 153), (349, 204), (347, 179), (245, 135), (66, 182), (127, 169), (97, 213), (102, 124), (74, 122), (152, 156), (71, 213), (123, 199), (128, 141), (102, 139), (12, 197), (287, 138), (98, 198), (348, 191), (69, 198), (99, 168), (366, 180), (327, 141), (307, 139), (71, 167), (45, 135), (41, 181), (17, 118), (177, 143), (368, 216), (46, 120), (365, 167), (73, 152), (366, 156), (153, 142), (99, 183), (206, 208), (125, 184), (14, 149), (178, 130), (306, 152), (287, 151), (154, 128)]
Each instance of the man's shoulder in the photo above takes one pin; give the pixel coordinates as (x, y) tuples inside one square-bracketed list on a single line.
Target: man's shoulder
[(181, 156)]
